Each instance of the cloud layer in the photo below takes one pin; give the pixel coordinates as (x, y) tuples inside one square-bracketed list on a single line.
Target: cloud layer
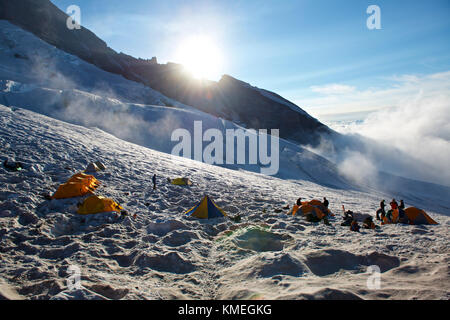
[(396, 91), (411, 138)]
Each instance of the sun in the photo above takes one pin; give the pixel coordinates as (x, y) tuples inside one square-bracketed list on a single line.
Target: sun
[(201, 57)]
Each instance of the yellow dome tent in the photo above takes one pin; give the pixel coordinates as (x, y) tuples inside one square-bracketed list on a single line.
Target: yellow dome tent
[(97, 204), (86, 179), (206, 209), (181, 182)]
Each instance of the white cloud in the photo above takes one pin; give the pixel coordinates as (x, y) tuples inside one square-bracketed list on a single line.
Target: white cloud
[(399, 89), (357, 167), (333, 89), (411, 138), (420, 128)]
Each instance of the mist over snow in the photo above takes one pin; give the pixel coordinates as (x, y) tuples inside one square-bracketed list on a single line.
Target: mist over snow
[(410, 138), (420, 129)]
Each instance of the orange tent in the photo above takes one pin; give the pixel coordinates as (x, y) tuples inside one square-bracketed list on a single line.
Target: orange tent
[(315, 202), (313, 206), (78, 185), (296, 207), (86, 179), (72, 189), (415, 216), (308, 208), (84, 176)]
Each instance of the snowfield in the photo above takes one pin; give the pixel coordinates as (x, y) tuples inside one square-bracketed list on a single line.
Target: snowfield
[(163, 255), (59, 113)]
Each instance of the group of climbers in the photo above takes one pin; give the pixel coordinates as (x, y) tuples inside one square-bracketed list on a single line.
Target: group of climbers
[(316, 211), (387, 217)]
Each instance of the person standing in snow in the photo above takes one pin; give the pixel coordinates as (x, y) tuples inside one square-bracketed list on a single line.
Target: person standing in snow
[(325, 202), (154, 181), (402, 217), (381, 211), (296, 206)]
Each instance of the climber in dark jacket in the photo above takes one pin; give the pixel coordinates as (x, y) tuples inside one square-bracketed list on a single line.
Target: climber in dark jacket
[(402, 217), (154, 181), (381, 211), (325, 202)]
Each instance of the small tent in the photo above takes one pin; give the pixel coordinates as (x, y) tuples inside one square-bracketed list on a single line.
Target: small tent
[(314, 206), (97, 204), (308, 208), (415, 216), (181, 182), (206, 209), (78, 185), (72, 189), (319, 205), (86, 179)]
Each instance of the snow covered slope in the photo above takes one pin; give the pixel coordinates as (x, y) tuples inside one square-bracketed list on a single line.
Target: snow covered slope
[(24, 58), (152, 126), (42, 78), (39, 77), (163, 255)]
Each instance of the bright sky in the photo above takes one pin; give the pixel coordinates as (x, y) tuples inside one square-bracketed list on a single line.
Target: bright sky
[(318, 54)]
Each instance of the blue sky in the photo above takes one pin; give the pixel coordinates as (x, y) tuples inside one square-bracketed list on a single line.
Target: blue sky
[(318, 54)]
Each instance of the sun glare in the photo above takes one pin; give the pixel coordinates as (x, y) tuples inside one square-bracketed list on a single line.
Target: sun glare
[(201, 57)]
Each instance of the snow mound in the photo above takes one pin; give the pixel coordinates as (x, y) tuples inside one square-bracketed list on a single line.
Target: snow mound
[(330, 261)]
